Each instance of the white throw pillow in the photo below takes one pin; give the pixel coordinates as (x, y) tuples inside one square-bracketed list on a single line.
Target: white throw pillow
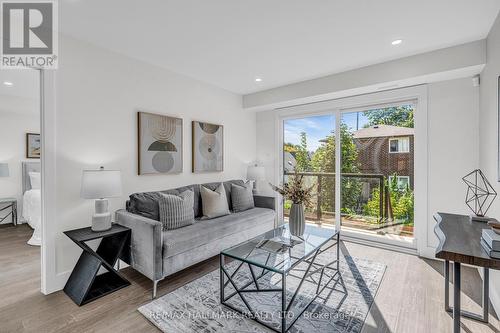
[(35, 180), (214, 203)]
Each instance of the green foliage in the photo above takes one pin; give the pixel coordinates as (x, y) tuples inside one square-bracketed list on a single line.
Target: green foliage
[(323, 160), (287, 205), (402, 202), (396, 116), (372, 206), (289, 147), (302, 155)]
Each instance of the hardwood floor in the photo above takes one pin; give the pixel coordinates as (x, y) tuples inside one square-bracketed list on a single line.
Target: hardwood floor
[(410, 298)]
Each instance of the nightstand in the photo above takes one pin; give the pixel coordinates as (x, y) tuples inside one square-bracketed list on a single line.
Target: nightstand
[(9, 203), (84, 285)]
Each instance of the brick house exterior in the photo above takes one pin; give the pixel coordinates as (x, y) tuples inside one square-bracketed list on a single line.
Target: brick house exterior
[(385, 149)]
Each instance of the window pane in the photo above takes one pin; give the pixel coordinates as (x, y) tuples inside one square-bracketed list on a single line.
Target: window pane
[(309, 149), (375, 175), (403, 182), (404, 145), (394, 146)]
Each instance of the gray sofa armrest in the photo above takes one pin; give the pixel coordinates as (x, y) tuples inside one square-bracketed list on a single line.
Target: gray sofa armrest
[(264, 201), (145, 243)]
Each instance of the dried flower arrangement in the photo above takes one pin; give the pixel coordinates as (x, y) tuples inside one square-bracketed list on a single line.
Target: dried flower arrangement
[(295, 191)]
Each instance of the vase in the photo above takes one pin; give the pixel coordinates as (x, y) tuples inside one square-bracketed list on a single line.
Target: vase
[(296, 221)]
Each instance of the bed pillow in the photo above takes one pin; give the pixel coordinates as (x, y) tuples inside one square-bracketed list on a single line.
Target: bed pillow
[(214, 203), (242, 197), (35, 180), (176, 211)]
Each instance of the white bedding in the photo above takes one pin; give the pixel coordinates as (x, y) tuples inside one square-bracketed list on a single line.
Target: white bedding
[(32, 213)]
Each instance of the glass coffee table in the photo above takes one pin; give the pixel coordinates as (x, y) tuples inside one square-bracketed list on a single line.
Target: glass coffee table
[(273, 255)]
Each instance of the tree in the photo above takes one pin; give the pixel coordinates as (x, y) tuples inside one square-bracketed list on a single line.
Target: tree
[(302, 155), (323, 160), (289, 147), (396, 116)]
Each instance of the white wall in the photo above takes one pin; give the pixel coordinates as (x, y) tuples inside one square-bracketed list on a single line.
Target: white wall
[(434, 66), (489, 132), (13, 129), (98, 95), (452, 147), (453, 118)]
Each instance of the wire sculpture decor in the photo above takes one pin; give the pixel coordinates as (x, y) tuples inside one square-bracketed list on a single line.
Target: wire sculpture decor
[(480, 194)]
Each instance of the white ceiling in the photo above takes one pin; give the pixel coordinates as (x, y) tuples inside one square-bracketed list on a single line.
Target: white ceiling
[(230, 42)]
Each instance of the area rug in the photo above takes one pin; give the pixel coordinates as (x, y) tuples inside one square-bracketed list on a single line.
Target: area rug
[(341, 307)]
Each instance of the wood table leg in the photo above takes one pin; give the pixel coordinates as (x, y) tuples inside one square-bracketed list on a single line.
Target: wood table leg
[(447, 285), (456, 297)]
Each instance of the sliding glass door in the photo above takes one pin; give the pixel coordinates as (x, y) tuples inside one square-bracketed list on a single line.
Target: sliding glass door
[(375, 159), (378, 171), (309, 152)]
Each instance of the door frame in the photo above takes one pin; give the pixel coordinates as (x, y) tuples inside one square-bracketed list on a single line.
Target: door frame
[(417, 94)]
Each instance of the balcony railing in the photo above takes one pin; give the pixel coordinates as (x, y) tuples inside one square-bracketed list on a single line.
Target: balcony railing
[(385, 210)]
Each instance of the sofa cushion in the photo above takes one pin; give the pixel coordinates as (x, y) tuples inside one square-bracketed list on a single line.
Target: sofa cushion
[(146, 203), (227, 187), (214, 203), (206, 231), (242, 197), (176, 211)]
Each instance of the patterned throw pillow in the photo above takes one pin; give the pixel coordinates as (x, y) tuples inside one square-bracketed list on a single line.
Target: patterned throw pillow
[(214, 203), (242, 197), (176, 211)]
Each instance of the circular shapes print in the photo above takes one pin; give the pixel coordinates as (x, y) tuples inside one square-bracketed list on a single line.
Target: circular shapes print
[(162, 161), (209, 128), (209, 147)]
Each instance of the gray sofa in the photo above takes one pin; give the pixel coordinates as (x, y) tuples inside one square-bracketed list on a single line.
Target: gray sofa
[(158, 253)]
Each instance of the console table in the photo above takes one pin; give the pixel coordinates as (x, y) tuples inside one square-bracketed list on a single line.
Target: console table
[(12, 204), (84, 285), (459, 242)]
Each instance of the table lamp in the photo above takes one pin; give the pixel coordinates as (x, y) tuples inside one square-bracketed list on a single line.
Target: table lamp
[(100, 185), (4, 170), (256, 173)]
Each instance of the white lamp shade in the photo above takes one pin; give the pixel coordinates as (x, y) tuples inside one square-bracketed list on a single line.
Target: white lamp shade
[(256, 173), (98, 184), (4, 170)]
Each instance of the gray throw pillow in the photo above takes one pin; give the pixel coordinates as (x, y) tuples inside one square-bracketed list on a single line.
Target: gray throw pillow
[(242, 197), (214, 203), (176, 211)]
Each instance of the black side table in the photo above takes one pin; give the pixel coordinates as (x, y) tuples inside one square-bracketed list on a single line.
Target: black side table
[(84, 285), (12, 204)]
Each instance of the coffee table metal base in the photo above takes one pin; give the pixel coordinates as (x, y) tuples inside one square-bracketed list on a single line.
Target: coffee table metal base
[(226, 278)]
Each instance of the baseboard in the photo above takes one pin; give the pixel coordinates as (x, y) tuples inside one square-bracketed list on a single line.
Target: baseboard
[(428, 252), (378, 244), (57, 283)]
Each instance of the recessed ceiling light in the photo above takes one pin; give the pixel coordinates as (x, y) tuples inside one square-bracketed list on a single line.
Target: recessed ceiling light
[(397, 42), (8, 84), (258, 79)]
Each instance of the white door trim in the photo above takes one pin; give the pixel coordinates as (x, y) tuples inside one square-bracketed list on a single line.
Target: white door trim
[(49, 277), (421, 165)]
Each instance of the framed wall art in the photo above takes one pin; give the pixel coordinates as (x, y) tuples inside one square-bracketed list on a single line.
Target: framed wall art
[(160, 144), (208, 147), (33, 145)]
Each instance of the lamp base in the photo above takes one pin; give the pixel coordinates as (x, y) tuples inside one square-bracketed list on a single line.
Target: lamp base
[(101, 220)]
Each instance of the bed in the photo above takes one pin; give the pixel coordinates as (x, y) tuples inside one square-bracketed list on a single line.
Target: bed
[(32, 200)]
